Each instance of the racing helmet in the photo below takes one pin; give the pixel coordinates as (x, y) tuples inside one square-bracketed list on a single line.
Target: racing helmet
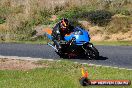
[(64, 23)]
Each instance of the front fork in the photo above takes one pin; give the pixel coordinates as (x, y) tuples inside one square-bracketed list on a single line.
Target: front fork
[(86, 45)]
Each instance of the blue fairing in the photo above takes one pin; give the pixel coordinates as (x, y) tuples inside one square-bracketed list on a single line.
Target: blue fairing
[(81, 35), (49, 36)]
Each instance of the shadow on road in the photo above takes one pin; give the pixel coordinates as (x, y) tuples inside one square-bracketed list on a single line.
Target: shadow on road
[(84, 58), (102, 58)]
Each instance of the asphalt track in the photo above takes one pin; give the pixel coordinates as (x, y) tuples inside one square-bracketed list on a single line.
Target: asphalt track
[(117, 56)]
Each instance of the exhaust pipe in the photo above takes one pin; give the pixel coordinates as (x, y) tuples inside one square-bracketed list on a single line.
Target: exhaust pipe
[(52, 46)]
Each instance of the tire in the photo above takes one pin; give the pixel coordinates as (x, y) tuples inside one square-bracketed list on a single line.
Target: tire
[(61, 54), (92, 52)]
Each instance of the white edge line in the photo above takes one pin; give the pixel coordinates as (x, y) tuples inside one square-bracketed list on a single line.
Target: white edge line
[(84, 63), (76, 62)]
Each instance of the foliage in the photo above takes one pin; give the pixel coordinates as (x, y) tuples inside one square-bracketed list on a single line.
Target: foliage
[(20, 17), (21, 32), (41, 17), (2, 20), (98, 17), (119, 24), (123, 12)]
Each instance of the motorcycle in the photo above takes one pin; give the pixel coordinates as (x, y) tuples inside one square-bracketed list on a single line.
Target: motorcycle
[(77, 43)]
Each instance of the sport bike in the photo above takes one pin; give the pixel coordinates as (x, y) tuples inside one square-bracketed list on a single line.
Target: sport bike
[(75, 44)]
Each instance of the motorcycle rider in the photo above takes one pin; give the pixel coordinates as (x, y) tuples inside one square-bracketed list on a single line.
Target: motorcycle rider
[(60, 30)]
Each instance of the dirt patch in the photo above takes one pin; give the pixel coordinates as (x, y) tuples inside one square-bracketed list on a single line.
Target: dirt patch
[(12, 64)]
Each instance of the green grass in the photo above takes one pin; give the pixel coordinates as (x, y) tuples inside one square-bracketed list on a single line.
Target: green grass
[(26, 42), (62, 74), (113, 43), (110, 43)]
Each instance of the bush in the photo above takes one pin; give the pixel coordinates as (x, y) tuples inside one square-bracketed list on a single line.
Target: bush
[(41, 17), (119, 24), (99, 17), (69, 13), (2, 20), (57, 9), (76, 23), (22, 32), (74, 13), (123, 12)]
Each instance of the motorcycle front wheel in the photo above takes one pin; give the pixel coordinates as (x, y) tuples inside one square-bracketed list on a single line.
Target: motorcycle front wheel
[(91, 52)]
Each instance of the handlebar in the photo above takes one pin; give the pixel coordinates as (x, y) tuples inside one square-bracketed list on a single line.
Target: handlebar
[(69, 42), (72, 40)]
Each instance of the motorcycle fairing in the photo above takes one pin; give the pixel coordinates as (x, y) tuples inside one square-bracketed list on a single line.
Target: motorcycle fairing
[(81, 38)]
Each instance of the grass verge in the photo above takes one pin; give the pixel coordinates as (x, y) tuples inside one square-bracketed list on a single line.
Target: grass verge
[(62, 74), (113, 43), (26, 42)]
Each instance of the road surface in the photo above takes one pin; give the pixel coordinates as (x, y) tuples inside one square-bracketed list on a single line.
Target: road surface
[(117, 56)]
